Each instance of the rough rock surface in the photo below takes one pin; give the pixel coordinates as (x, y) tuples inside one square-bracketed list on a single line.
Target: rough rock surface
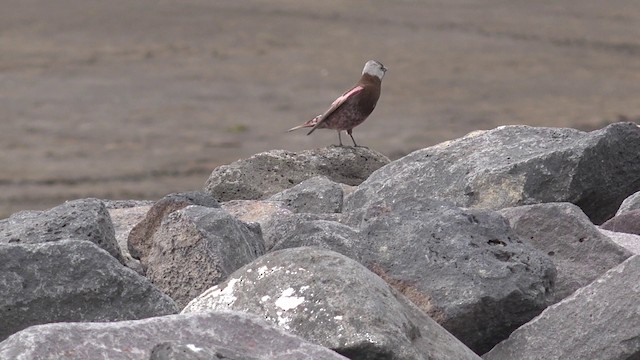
[(83, 219), (466, 268), (262, 212), (308, 229), (69, 280), (630, 203), (172, 351), (241, 333), (139, 241), (331, 300), (517, 165), (628, 241), (268, 173), (197, 247), (317, 195), (562, 231), (627, 222), (598, 321)]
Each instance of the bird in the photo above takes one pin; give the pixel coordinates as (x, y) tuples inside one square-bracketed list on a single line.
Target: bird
[(352, 107)]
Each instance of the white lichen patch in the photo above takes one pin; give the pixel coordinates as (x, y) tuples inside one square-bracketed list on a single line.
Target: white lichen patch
[(214, 298), (194, 348), (287, 301), (265, 298)]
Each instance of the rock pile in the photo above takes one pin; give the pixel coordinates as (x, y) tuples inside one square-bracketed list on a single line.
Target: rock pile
[(487, 245)]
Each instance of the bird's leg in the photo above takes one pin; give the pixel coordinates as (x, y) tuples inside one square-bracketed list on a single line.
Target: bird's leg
[(339, 138), (350, 132)]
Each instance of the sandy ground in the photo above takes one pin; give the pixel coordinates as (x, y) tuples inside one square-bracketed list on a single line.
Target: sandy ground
[(137, 99)]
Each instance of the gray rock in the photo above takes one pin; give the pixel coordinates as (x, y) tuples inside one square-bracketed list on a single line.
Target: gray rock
[(268, 173), (70, 280), (261, 212), (197, 247), (294, 230), (598, 321), (578, 249), (465, 268), (316, 195), (517, 165), (125, 218), (331, 300), (139, 241), (84, 219), (241, 333), (628, 241), (298, 231), (172, 351), (627, 222), (630, 203)]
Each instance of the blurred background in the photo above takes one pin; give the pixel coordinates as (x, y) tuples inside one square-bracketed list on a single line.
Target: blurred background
[(127, 99)]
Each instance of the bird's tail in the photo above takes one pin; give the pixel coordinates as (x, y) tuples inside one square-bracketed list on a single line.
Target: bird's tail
[(307, 124)]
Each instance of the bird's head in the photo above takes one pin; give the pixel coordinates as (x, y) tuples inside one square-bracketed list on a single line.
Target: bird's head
[(374, 68)]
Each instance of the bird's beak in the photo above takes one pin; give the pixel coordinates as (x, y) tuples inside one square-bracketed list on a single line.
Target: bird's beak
[(384, 69), (296, 128)]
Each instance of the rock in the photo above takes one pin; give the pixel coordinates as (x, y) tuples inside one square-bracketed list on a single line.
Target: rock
[(241, 333), (84, 219), (331, 300), (562, 231), (124, 219), (197, 247), (268, 173), (261, 212), (331, 235), (307, 229), (69, 280), (630, 203), (628, 241), (517, 165), (627, 222), (316, 195), (140, 236), (172, 351), (465, 268), (599, 321)]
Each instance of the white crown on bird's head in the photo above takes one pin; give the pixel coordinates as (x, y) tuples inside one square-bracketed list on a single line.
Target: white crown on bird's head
[(374, 68)]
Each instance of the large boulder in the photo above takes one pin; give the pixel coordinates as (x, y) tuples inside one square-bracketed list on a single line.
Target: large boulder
[(69, 280), (241, 335), (598, 321), (316, 195), (466, 268), (197, 247), (307, 229), (580, 252), (139, 240), (84, 219), (268, 173), (517, 165), (331, 300)]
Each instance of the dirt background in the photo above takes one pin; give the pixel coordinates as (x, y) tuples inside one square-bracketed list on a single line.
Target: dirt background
[(136, 99)]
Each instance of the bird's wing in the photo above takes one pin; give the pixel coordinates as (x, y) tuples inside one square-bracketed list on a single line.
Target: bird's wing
[(336, 104)]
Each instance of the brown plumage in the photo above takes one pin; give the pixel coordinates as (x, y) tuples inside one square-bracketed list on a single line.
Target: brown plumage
[(352, 107)]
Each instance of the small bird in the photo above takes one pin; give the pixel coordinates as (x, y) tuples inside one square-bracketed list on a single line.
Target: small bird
[(354, 106)]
